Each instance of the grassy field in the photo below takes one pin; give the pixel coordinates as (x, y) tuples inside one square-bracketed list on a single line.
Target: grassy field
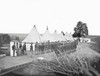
[(96, 45), (80, 62), (83, 61)]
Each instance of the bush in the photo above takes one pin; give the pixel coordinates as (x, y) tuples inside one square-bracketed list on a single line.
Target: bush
[(4, 39), (96, 46), (75, 63)]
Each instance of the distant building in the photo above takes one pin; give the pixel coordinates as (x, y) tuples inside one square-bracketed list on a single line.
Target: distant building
[(86, 40)]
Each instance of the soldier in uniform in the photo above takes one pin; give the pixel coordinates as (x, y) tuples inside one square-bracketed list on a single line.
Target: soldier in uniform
[(14, 48), (17, 49), (20, 48), (24, 49), (31, 48)]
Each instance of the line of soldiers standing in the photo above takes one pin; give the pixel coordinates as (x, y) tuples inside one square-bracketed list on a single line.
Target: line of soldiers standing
[(19, 49), (41, 48)]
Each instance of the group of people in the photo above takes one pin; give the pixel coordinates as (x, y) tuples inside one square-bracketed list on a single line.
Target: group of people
[(42, 48), (20, 49)]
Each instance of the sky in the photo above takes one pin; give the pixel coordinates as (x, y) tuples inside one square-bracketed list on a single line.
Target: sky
[(19, 16)]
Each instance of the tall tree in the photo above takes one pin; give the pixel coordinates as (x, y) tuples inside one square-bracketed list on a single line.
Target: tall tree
[(4, 39), (81, 30)]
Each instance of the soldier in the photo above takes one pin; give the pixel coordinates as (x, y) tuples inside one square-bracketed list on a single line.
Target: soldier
[(14, 48), (24, 48), (17, 49), (31, 48), (42, 48), (36, 48), (20, 48)]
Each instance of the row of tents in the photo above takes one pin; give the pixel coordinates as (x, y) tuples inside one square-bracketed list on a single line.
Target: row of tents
[(36, 39), (46, 40), (34, 36)]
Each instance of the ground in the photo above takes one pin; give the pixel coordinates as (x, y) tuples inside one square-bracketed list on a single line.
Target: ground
[(85, 59)]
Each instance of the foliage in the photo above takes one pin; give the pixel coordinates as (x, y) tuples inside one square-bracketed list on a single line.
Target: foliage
[(4, 39), (77, 63), (96, 45), (81, 30), (48, 47)]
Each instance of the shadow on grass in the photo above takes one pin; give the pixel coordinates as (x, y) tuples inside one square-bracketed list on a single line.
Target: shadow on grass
[(96, 46)]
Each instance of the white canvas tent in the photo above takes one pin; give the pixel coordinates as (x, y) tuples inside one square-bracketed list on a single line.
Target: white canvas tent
[(32, 37), (58, 37), (55, 36), (47, 36), (69, 37), (61, 37)]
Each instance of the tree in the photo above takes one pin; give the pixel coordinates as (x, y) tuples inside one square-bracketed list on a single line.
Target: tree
[(81, 30), (4, 39)]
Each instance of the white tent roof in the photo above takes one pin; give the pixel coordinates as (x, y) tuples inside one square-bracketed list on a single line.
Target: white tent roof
[(69, 37), (33, 36), (55, 36), (61, 37), (47, 36), (58, 37)]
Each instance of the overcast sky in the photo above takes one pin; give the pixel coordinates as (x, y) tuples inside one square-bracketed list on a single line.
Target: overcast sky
[(19, 16)]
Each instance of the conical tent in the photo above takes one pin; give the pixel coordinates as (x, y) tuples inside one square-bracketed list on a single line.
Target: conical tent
[(55, 35), (47, 36), (69, 37), (61, 37), (33, 36), (58, 37)]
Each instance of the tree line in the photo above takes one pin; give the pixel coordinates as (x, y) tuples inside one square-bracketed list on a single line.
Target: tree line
[(5, 39)]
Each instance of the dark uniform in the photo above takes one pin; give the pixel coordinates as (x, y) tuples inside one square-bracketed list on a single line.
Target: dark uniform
[(31, 48), (20, 48), (24, 49), (42, 47), (17, 49), (14, 48)]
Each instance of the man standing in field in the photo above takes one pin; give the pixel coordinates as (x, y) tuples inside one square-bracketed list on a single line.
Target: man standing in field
[(14, 48), (31, 48), (17, 49), (20, 48), (24, 48)]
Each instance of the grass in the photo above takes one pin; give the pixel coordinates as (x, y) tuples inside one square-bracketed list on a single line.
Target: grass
[(77, 62), (96, 46), (74, 63)]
